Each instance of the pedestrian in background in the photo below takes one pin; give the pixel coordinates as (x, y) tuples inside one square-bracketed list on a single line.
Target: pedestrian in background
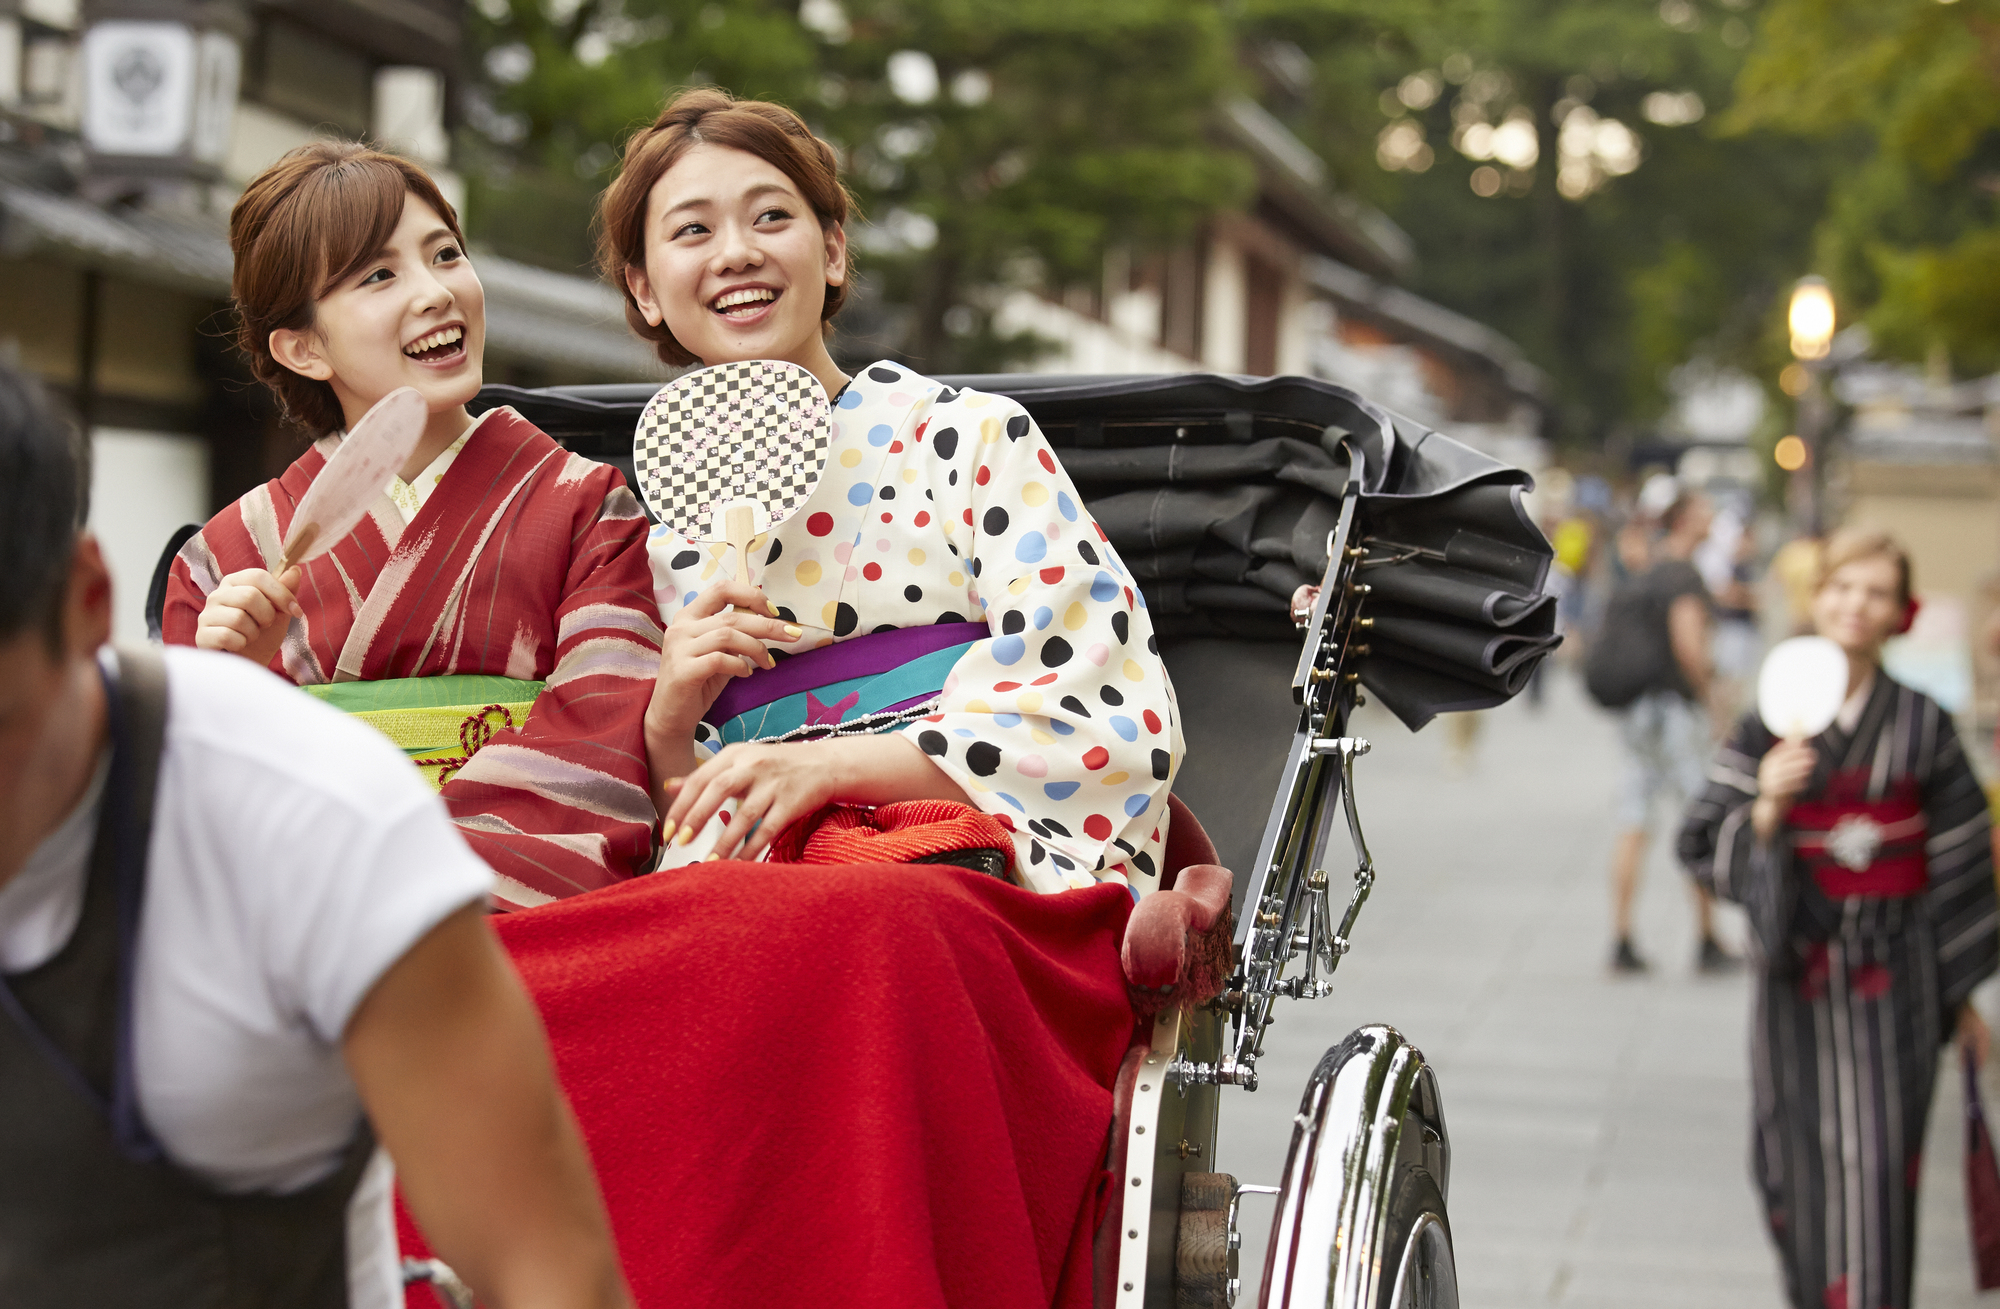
[(1651, 663), (1863, 858)]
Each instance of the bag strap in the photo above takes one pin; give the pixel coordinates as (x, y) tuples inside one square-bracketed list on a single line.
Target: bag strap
[(139, 731)]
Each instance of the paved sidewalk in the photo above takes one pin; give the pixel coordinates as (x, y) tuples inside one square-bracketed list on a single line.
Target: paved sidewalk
[(1599, 1126)]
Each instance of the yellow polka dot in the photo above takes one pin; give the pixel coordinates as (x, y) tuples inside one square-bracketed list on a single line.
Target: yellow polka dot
[(717, 551), (1034, 493), (1029, 702), (978, 707), (1078, 881), (807, 572), (828, 613), (917, 558), (956, 579), (989, 430), (708, 570), (909, 474), (1041, 737), (849, 458), (1133, 672), (975, 785), (1115, 779), (973, 399), (1018, 586), (1075, 617)]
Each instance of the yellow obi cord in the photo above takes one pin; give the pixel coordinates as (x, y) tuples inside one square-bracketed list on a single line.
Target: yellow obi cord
[(439, 722)]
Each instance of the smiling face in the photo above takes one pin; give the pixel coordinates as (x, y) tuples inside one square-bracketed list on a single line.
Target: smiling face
[(1859, 606), (414, 315), (737, 264)]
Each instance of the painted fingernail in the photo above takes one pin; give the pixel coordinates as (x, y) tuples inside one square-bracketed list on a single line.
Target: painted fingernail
[(687, 834), (793, 632), (667, 833), (772, 607), (712, 858)]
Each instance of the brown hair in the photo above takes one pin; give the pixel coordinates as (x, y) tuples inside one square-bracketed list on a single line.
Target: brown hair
[(308, 223), (1851, 544), (711, 116)]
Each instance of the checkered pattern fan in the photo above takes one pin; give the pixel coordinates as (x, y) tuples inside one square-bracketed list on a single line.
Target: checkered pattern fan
[(755, 430)]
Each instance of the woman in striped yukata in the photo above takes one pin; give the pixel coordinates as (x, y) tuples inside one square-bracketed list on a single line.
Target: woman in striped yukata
[(1863, 857)]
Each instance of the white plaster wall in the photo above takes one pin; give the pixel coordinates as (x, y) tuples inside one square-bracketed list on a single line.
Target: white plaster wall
[(1224, 317), (143, 485), (1084, 345), (1295, 322)]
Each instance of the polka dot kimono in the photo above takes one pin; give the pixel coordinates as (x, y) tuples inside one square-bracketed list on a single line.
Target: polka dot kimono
[(942, 506)]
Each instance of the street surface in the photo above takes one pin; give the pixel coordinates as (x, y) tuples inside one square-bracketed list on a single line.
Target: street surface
[(1599, 1125)]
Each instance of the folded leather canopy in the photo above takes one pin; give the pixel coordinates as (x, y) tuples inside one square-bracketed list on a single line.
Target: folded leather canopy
[(1220, 493)]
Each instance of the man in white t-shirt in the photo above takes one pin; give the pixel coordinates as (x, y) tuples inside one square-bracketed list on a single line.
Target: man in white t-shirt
[(200, 1028)]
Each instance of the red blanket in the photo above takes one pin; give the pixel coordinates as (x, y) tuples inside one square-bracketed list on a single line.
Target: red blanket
[(865, 1084)]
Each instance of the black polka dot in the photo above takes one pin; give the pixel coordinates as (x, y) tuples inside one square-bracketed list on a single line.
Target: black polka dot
[(1055, 827), (1109, 694), (931, 743), (913, 593), (1089, 555), (1144, 863), (787, 615), (701, 732), (888, 493), (687, 559), (976, 564), (946, 396), (1013, 621), (1035, 826), (1125, 845), (883, 375), (1152, 645), (881, 628), (1121, 623), (778, 656), (1163, 763), (928, 495), (777, 548), (995, 521), (946, 443), (949, 546), (1075, 706), (845, 619), (949, 617), (1060, 862), (983, 758), (952, 478), (1017, 427), (1035, 852), (1055, 652)]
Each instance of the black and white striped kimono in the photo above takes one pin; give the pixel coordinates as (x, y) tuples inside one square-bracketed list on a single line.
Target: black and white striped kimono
[(1874, 914)]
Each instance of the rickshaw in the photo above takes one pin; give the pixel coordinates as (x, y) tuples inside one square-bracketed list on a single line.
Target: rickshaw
[(1264, 514)]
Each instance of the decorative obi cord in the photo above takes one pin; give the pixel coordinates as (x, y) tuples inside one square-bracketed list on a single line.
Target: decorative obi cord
[(439, 722), (1853, 845), (873, 683)]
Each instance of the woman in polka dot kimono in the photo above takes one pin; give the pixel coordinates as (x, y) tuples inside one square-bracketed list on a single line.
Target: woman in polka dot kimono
[(936, 507)]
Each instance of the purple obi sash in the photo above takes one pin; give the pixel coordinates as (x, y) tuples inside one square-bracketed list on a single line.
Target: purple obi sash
[(874, 674)]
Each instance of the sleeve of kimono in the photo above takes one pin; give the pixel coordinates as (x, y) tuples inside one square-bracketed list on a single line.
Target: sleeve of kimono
[(565, 805), (1959, 851), (1063, 721), (1719, 848)]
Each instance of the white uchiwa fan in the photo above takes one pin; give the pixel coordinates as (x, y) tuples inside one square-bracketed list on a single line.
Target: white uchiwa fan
[(1801, 687)]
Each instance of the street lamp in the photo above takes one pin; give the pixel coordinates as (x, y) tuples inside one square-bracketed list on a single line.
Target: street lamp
[(1812, 319)]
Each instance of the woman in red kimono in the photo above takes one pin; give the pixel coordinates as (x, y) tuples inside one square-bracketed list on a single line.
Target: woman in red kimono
[(498, 573)]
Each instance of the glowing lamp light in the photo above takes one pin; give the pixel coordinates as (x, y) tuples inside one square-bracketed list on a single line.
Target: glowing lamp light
[(1790, 454), (1811, 318)]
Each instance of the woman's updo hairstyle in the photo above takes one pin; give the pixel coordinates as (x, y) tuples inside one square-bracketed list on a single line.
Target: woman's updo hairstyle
[(1851, 544), (710, 116), (308, 223)]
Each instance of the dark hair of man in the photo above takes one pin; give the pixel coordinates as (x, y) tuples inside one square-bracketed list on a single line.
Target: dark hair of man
[(41, 508)]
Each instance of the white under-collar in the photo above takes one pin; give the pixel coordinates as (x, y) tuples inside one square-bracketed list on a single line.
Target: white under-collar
[(1849, 716), (411, 497)]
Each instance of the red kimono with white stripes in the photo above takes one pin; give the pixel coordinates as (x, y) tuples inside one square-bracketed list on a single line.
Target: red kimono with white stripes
[(526, 562)]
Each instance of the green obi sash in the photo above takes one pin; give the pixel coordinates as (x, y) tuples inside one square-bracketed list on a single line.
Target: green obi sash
[(439, 722)]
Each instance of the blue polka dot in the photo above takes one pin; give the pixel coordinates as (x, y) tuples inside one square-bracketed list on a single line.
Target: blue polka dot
[(852, 399), (688, 598), (1031, 548), (1066, 505), (659, 529), (1102, 588), (1142, 599), (860, 493), (1125, 727), (1060, 790), (880, 434), (1136, 805), (1009, 649), (1059, 727), (1012, 801), (1007, 720), (962, 731), (1043, 617)]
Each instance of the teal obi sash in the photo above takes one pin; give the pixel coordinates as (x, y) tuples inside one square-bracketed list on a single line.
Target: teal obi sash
[(871, 683)]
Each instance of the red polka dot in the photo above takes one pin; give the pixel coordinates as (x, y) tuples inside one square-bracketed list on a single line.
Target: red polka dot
[(1128, 597), (1047, 462), (895, 447), (820, 524), (923, 518), (922, 427), (968, 518), (1050, 576), (723, 814), (1096, 757), (888, 518), (1006, 686), (983, 476), (1100, 533), (934, 718), (1005, 821), (1043, 681), (1098, 827), (1152, 722), (873, 572)]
